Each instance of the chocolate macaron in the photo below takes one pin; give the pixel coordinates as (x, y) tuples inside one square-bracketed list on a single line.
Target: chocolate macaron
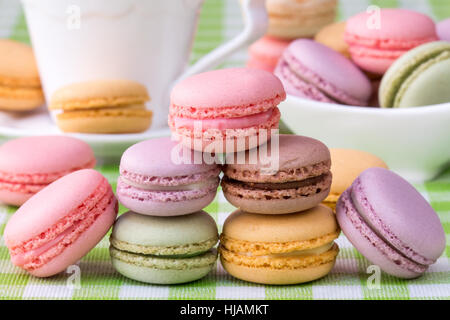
[(291, 175)]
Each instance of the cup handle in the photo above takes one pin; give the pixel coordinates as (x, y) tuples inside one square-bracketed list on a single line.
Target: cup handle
[(256, 23)]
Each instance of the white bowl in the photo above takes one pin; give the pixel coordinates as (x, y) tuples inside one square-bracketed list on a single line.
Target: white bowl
[(414, 142)]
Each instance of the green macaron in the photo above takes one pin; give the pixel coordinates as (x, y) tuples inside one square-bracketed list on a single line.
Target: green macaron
[(418, 78), (164, 250)]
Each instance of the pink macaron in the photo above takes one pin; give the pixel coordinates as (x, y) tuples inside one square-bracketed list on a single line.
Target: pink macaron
[(390, 223), (265, 53), (377, 39), (61, 223), (225, 111), (27, 165), (311, 70), (443, 30), (161, 177)]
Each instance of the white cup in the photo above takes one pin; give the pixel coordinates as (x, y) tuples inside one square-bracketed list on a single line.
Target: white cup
[(148, 41)]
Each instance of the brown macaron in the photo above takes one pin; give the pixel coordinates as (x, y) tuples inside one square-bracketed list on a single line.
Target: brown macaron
[(294, 176)]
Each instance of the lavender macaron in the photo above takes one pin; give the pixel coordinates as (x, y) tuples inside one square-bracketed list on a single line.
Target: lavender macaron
[(313, 71), (160, 177), (390, 223)]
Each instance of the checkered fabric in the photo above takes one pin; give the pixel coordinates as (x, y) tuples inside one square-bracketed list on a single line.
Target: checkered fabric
[(349, 279)]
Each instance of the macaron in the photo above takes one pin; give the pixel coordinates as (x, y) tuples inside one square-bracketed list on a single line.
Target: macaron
[(102, 106), (27, 165), (443, 30), (279, 249), (226, 111), (292, 19), (164, 250), (160, 177), (390, 223), (313, 71), (346, 166), (332, 36), (377, 39), (418, 78), (265, 53), (61, 223), (294, 176), (20, 86)]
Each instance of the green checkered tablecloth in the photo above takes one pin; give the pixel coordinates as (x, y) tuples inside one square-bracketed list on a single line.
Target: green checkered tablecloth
[(220, 20)]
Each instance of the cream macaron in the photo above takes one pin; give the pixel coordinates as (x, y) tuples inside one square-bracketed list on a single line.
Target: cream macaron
[(103, 106), (20, 86), (346, 166), (280, 249)]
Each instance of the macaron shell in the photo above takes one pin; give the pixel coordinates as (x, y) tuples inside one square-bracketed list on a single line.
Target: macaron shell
[(372, 247), (347, 165), (292, 152), (397, 211), (398, 28), (78, 249), (162, 275), (242, 87), (340, 71), (443, 30), (399, 72), (294, 19), (14, 198), (165, 158), (332, 36), (18, 65), (20, 99), (160, 231), (121, 120), (265, 53), (277, 277), (42, 211), (429, 86), (99, 93), (72, 153), (300, 226)]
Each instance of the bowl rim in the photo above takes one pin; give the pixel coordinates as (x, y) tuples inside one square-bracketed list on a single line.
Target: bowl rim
[(326, 106)]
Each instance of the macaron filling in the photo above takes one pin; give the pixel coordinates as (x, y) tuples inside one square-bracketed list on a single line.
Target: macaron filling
[(271, 191), (200, 260), (391, 253), (37, 251), (137, 193), (113, 111), (318, 85), (225, 123), (287, 260)]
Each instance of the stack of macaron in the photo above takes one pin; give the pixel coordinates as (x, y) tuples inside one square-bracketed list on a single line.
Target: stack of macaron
[(346, 61), (289, 20), (165, 238), (280, 234), (67, 207)]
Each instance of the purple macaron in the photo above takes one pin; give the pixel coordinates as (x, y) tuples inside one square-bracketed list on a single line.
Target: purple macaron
[(311, 70), (160, 177), (443, 30), (390, 223)]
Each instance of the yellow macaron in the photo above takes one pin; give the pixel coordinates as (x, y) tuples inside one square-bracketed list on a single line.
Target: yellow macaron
[(20, 86), (104, 106), (292, 19), (346, 166), (279, 249), (332, 36)]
